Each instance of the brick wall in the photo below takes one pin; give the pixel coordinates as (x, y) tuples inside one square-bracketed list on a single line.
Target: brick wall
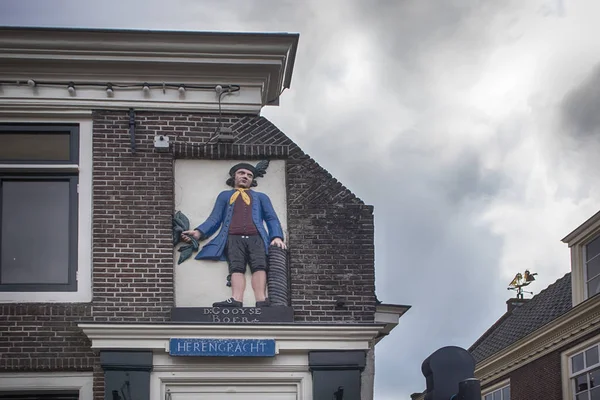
[(330, 237), (43, 337), (132, 233), (330, 229), (331, 246), (541, 378)]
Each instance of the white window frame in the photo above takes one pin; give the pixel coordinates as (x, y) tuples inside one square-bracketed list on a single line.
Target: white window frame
[(577, 241), (586, 278), (81, 381), (498, 386), (566, 370), (84, 241)]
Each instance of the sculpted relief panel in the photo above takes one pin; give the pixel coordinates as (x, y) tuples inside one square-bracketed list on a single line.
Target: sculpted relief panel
[(239, 217)]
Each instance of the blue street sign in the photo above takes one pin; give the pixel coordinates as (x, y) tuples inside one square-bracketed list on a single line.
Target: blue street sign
[(222, 347)]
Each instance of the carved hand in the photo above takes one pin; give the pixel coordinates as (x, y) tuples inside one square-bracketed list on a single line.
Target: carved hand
[(194, 233), (278, 242)]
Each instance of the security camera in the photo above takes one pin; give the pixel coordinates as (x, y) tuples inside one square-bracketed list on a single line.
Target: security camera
[(161, 143)]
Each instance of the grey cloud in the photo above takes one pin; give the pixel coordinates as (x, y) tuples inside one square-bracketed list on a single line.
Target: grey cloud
[(430, 252), (580, 108)]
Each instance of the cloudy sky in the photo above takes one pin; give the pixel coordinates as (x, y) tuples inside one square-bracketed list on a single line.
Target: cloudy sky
[(472, 126)]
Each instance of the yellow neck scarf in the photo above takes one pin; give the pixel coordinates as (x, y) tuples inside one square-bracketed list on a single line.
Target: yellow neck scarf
[(237, 192)]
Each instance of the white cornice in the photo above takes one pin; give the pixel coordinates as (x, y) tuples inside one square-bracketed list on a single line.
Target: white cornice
[(261, 64), (287, 337), (389, 314), (583, 231), (571, 326)]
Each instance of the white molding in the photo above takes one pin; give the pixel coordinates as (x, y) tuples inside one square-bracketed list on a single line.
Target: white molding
[(246, 101), (15, 113), (389, 314), (287, 337), (287, 362), (565, 329), (576, 241), (36, 167), (583, 232), (288, 368), (84, 250), (261, 64), (82, 381), (496, 386), (161, 381), (565, 372)]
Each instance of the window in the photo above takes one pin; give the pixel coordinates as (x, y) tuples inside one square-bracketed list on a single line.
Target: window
[(46, 385), (584, 369), (46, 207), (38, 207), (584, 243), (592, 266), (502, 393)]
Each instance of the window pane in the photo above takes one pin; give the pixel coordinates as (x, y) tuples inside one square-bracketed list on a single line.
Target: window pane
[(583, 396), (594, 286), (35, 232), (506, 393), (592, 249), (595, 394), (497, 395), (593, 268), (594, 378), (488, 397), (591, 357), (581, 383), (577, 362), (35, 146)]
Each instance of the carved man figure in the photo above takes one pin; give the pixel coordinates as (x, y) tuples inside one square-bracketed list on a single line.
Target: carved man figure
[(243, 240)]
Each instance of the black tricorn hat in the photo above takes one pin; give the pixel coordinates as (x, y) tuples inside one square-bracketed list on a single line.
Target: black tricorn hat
[(232, 171), (247, 166)]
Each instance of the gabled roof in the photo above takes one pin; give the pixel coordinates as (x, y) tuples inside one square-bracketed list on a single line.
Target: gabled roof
[(548, 305)]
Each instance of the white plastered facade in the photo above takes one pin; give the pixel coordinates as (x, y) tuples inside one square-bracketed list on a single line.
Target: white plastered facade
[(286, 375)]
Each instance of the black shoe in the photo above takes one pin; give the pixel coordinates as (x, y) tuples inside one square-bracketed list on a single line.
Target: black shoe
[(265, 303), (230, 302)]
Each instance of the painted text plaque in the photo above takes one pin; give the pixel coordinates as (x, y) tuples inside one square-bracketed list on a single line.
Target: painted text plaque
[(222, 347)]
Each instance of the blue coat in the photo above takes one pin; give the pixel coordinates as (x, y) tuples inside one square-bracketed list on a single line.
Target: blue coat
[(262, 210)]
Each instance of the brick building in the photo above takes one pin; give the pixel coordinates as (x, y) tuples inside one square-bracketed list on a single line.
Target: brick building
[(104, 135), (546, 347)]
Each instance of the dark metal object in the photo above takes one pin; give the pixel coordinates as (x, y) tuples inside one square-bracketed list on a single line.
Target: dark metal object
[(336, 374), (277, 277), (132, 129), (449, 373), (469, 389)]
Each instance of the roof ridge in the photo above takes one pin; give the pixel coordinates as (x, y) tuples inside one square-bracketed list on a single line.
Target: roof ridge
[(489, 330), (541, 309), (536, 298)]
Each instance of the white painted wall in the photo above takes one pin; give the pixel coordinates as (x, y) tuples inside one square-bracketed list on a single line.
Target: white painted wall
[(281, 377), (197, 184)]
